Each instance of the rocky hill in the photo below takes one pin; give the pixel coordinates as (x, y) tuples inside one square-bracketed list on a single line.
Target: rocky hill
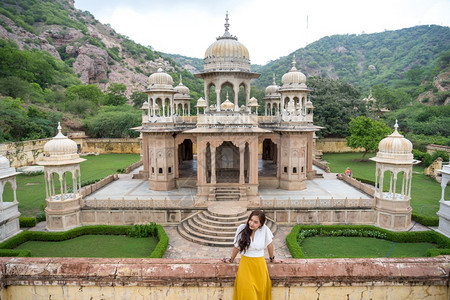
[(97, 53)]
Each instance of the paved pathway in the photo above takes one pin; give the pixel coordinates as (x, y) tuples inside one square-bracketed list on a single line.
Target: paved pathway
[(181, 248)]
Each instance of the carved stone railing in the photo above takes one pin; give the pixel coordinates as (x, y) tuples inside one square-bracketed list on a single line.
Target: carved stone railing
[(227, 118), (131, 203), (318, 203)]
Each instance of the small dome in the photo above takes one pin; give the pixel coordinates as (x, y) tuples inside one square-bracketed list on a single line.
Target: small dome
[(253, 102), (160, 79), (5, 169), (272, 90), (145, 105), (4, 162), (60, 145), (293, 77), (60, 150), (226, 53), (227, 105), (201, 102), (182, 91), (395, 148)]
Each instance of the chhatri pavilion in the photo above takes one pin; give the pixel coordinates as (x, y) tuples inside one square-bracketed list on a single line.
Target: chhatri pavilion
[(237, 151)]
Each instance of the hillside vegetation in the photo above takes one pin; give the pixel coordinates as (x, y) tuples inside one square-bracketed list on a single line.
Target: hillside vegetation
[(58, 63)]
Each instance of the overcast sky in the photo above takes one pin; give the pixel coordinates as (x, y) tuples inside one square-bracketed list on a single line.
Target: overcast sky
[(268, 28)]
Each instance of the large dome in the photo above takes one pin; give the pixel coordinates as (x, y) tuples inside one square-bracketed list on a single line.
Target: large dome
[(227, 54)]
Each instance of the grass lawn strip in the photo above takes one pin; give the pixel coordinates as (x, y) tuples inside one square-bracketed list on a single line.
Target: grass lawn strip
[(31, 189), (93, 246), (425, 191), (352, 247)]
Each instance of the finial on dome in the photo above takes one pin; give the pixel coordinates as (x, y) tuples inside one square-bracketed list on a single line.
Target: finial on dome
[(181, 79), (293, 63), (227, 95), (396, 125), (226, 22), (274, 82), (59, 127)]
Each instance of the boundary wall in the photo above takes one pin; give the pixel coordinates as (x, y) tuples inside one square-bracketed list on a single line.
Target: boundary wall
[(210, 279)]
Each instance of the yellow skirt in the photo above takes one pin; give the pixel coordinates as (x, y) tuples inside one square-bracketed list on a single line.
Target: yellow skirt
[(252, 280)]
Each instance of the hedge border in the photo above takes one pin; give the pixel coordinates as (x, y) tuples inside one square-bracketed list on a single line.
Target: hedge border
[(399, 237), (7, 247), (424, 220)]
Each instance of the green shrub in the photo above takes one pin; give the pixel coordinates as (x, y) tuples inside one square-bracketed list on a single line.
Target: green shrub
[(12, 252), (152, 229), (161, 247), (142, 230), (424, 220), (300, 232), (27, 221)]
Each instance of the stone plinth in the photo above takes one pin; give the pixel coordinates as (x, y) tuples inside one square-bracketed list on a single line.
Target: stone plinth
[(103, 278), (444, 217), (63, 215)]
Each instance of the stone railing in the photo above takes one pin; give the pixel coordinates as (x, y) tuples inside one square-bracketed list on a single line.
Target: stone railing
[(131, 203), (89, 189), (185, 119), (433, 148), (227, 118), (269, 119), (317, 203), (176, 279), (368, 189), (321, 165), (133, 166)]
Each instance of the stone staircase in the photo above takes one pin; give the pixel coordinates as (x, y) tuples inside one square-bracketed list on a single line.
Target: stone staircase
[(227, 194), (215, 229)]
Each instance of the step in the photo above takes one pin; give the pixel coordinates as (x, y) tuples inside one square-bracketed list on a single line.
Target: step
[(203, 219), (212, 230), (198, 222), (226, 218), (201, 235), (201, 241)]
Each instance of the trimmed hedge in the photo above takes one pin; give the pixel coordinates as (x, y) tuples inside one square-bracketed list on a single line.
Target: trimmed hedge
[(299, 232), (27, 222), (7, 247), (424, 220)]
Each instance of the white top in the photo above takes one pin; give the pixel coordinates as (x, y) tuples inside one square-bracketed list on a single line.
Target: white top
[(263, 237)]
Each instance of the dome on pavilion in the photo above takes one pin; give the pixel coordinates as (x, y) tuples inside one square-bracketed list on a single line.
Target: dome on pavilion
[(5, 169), (160, 79), (60, 150), (293, 77), (227, 54), (272, 90), (395, 149), (182, 91)]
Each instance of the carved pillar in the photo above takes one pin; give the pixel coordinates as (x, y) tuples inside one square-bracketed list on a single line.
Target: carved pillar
[(218, 99), (236, 98), (241, 164), (213, 164)]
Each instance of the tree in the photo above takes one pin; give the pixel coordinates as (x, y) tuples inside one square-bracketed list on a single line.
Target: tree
[(366, 133), (116, 94), (138, 99)]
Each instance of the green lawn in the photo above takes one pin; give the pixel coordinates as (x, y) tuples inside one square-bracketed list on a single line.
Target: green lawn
[(425, 192), (31, 189), (93, 246), (350, 247)]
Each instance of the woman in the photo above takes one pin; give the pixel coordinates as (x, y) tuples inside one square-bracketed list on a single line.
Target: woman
[(252, 279)]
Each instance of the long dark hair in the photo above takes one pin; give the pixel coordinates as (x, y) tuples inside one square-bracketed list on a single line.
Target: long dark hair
[(244, 241)]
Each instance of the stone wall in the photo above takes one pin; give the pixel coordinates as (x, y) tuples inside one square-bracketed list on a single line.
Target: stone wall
[(28, 152), (24, 153), (176, 279), (433, 148), (102, 146), (334, 145)]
